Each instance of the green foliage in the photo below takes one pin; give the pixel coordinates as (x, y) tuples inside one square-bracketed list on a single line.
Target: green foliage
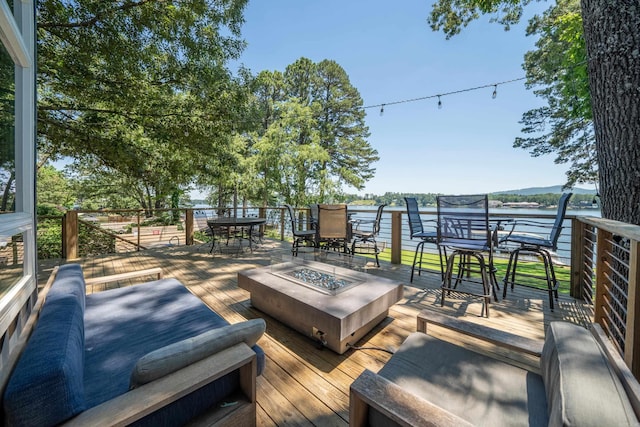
[(140, 89), (54, 189), (556, 70), (49, 235), (451, 16), (311, 137), (91, 242)]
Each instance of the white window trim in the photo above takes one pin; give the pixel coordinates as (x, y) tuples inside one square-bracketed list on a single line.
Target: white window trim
[(17, 33), (11, 36)]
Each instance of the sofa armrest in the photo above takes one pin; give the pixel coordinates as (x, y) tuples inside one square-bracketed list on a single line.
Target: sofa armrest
[(124, 276), (370, 390), (629, 382), (141, 401), (493, 336)]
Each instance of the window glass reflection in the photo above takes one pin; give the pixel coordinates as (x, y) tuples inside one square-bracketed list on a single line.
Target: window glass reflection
[(7, 132), (11, 261)]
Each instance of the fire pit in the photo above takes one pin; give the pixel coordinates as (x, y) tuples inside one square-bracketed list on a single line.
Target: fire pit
[(322, 279), (333, 305)]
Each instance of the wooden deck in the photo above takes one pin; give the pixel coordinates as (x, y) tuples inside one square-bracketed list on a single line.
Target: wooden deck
[(304, 384)]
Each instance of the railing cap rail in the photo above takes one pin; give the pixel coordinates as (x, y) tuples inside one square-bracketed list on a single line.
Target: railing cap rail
[(616, 227)]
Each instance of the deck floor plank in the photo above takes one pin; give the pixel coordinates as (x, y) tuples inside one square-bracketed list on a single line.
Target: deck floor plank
[(304, 384)]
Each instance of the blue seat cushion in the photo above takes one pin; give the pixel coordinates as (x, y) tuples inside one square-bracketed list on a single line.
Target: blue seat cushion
[(124, 324), (46, 387)]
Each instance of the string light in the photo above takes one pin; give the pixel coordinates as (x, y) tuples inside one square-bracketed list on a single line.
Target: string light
[(382, 109), (495, 92), (439, 96), (439, 103)]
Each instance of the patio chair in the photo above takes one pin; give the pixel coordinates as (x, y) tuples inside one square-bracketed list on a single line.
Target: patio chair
[(313, 215), (333, 230), (300, 235), (364, 232), (463, 228), (536, 245), (417, 231)]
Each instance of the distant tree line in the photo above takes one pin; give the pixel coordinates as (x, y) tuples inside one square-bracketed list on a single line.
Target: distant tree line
[(429, 199)]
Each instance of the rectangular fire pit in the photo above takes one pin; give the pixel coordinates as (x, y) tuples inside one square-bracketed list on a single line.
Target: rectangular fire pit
[(335, 305)]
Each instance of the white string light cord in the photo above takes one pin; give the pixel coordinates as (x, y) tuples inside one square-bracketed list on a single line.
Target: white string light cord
[(494, 94), (440, 95)]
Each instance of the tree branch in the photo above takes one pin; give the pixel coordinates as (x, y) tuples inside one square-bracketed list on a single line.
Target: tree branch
[(97, 17)]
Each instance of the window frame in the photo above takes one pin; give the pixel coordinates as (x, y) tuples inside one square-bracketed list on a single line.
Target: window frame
[(17, 34)]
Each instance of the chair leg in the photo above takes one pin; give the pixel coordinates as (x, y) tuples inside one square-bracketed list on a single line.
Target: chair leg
[(446, 283), (551, 276), (415, 257), (375, 251), (421, 255), (442, 251), (485, 282), (510, 266)]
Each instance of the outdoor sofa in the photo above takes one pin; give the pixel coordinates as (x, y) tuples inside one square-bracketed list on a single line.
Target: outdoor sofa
[(148, 354), (582, 381)]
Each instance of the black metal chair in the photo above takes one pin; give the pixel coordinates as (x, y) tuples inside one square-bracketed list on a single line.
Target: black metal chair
[(417, 231), (537, 245), (300, 235), (364, 232), (463, 228)]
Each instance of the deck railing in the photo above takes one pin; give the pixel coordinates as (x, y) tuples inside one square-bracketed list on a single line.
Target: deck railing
[(602, 255)]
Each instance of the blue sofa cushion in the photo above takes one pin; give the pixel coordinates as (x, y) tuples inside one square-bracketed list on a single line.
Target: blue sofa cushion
[(69, 281), (173, 357), (122, 325), (46, 387)]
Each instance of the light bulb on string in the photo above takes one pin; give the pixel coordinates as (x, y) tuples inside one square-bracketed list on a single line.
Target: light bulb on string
[(382, 109), (495, 92), (439, 103)]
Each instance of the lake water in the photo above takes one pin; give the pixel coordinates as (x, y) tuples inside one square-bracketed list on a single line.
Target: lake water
[(564, 242)]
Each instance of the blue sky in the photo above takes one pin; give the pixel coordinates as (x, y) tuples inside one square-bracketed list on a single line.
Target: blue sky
[(391, 54)]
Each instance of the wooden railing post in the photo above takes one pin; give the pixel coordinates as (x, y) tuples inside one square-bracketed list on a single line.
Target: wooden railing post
[(188, 226), (396, 237), (603, 270), (577, 257), (632, 337), (70, 235)]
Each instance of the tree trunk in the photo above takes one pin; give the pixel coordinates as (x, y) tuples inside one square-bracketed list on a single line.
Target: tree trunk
[(612, 38), (7, 191)]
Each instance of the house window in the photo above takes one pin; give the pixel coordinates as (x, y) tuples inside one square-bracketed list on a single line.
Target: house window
[(17, 156), (7, 133)]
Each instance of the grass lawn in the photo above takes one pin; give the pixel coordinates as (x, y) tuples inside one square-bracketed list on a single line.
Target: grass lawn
[(530, 268)]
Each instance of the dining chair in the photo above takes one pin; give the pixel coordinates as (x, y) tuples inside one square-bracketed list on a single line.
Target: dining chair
[(540, 246), (364, 232), (333, 229), (300, 235), (417, 231), (464, 229)]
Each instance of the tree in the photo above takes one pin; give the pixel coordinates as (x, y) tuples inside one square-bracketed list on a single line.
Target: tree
[(557, 70), (141, 88), (613, 45), (54, 190), (312, 139)]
